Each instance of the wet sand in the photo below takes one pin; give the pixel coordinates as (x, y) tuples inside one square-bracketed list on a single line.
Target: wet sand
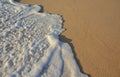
[(94, 28)]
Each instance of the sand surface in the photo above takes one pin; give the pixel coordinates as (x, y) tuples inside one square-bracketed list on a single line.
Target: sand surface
[(94, 27)]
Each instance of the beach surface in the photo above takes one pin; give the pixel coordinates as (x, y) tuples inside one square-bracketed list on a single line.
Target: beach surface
[(94, 28)]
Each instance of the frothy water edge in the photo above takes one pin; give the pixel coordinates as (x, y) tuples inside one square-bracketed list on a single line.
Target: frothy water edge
[(29, 43)]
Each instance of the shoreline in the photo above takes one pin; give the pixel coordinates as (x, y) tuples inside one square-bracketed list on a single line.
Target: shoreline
[(30, 45), (94, 29), (64, 39)]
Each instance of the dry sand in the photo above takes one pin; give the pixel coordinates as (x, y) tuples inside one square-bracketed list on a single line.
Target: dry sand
[(94, 27)]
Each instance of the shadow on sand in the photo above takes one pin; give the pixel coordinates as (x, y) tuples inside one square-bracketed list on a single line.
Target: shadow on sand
[(17, 0), (66, 40), (41, 10)]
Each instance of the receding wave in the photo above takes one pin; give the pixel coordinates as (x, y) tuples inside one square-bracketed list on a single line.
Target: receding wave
[(29, 43)]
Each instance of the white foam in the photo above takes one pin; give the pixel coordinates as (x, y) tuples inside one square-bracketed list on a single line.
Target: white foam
[(29, 43)]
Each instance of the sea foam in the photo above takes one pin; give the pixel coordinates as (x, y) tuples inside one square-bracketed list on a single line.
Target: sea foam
[(29, 43)]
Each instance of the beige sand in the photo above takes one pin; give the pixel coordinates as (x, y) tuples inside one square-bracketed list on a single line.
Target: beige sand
[(94, 27)]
